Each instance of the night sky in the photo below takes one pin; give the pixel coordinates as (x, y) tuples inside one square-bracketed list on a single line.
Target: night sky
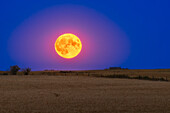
[(129, 33)]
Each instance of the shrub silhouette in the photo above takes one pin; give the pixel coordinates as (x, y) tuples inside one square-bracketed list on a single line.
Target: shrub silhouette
[(5, 73), (26, 71), (14, 69), (131, 77)]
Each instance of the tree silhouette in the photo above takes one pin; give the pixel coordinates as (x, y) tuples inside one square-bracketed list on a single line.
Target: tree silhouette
[(14, 69), (26, 71)]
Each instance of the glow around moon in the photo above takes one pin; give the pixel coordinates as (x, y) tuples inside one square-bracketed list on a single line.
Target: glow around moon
[(68, 45), (103, 42)]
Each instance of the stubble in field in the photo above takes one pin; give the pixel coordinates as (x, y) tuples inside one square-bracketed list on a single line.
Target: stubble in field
[(82, 94)]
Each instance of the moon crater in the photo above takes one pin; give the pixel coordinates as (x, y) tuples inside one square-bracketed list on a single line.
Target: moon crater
[(68, 45)]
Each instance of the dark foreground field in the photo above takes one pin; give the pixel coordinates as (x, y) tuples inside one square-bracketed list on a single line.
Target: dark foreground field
[(82, 94)]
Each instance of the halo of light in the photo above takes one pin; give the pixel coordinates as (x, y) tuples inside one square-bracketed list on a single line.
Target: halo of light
[(32, 42)]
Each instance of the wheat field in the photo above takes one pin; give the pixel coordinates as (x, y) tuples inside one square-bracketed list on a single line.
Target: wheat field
[(82, 94)]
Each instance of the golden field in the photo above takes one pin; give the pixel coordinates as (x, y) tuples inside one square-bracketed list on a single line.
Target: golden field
[(156, 73), (81, 92)]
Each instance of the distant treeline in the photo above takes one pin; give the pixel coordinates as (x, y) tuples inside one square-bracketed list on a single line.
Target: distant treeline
[(15, 70), (122, 76)]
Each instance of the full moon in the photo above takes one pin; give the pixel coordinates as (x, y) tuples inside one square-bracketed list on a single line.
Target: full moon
[(68, 45)]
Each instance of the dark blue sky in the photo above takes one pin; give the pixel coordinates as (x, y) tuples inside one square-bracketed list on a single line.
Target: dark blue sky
[(145, 22)]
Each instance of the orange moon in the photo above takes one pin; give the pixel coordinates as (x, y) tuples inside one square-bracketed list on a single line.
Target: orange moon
[(68, 45)]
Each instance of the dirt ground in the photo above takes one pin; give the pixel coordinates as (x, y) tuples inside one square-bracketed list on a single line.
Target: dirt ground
[(82, 94)]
